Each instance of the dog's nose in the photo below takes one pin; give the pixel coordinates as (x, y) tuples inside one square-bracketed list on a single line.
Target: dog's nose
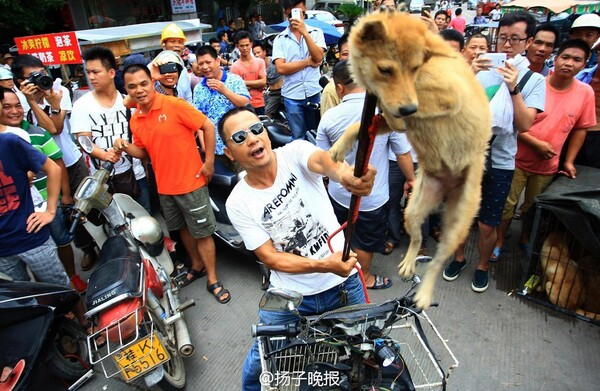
[(408, 110)]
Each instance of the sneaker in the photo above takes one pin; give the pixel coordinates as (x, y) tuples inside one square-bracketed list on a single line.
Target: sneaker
[(79, 285), (453, 269), (480, 281)]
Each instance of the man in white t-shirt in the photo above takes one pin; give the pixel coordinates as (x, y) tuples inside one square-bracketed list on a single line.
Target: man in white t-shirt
[(371, 225), (102, 116), (282, 212)]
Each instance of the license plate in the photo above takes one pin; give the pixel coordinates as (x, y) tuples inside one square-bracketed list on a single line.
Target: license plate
[(141, 357)]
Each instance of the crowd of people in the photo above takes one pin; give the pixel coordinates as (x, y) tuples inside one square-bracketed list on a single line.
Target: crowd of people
[(148, 115)]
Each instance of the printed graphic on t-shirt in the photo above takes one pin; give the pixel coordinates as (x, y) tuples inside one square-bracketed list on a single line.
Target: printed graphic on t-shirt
[(9, 197), (108, 127), (292, 226)]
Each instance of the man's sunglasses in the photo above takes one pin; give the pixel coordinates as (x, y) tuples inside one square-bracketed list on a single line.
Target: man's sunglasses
[(240, 136)]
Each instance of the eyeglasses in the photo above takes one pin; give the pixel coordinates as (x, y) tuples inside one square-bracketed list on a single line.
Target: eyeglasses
[(514, 41), (240, 136)]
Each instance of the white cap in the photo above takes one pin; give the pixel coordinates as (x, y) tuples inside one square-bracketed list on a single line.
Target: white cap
[(191, 58), (5, 74), (587, 20)]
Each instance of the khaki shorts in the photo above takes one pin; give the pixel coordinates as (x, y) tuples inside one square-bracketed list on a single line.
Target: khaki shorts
[(192, 209)]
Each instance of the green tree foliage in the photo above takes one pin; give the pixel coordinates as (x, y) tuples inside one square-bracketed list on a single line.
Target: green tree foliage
[(351, 11), (27, 15)]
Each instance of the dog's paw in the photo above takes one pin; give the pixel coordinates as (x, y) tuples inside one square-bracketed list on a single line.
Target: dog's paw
[(423, 298), (338, 152), (406, 268)]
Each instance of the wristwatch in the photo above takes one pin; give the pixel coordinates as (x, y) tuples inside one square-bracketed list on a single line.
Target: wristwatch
[(53, 111), (516, 90)]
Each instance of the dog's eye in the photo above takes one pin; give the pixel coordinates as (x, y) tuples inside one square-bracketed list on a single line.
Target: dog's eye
[(387, 71), (414, 69)]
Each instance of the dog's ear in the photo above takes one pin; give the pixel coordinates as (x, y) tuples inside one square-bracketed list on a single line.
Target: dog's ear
[(372, 31)]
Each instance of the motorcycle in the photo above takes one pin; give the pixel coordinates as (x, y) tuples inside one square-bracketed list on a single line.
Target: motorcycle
[(359, 347), (36, 334), (223, 182), (131, 296)]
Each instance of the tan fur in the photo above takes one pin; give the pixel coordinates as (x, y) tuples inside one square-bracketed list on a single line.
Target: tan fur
[(396, 57), (563, 281)]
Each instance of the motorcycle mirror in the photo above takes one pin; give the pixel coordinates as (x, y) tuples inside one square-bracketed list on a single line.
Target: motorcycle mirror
[(86, 143), (275, 299)]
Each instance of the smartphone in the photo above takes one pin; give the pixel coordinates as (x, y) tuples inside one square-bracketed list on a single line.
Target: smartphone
[(169, 67), (296, 13), (497, 59), (426, 11)]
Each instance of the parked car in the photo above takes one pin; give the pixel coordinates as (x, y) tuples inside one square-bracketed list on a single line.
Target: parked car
[(327, 17), (332, 6), (472, 4)]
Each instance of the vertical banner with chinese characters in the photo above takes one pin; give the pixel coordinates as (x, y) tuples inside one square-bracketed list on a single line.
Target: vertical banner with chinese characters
[(51, 49), (183, 6)]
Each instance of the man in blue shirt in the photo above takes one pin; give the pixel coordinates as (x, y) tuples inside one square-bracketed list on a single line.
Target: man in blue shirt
[(23, 233), (297, 54), (218, 92)]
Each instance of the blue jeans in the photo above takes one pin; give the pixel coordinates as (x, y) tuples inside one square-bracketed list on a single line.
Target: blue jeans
[(311, 305), (144, 198), (302, 117), (59, 229)]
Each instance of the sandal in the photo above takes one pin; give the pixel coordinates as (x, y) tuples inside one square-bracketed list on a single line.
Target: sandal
[(388, 248), (496, 254), (218, 295), (89, 330), (380, 283), (196, 274)]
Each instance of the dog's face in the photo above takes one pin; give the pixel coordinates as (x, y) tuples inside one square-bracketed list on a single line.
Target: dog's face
[(387, 51)]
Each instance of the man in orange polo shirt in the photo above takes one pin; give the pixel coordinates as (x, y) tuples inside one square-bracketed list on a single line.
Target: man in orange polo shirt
[(164, 128)]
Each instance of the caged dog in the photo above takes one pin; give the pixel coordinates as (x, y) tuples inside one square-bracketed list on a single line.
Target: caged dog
[(427, 90)]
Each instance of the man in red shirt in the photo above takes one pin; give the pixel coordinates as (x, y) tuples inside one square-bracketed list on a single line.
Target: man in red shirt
[(164, 128), (570, 111), (252, 71), (458, 23)]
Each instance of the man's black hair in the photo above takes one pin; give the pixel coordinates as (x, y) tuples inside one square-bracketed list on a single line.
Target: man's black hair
[(458, 11), (133, 68), (228, 114), (207, 49), (516, 17), (24, 61), (548, 27), (242, 35), (453, 35), (343, 40), (259, 44), (221, 34), (441, 12), (287, 4), (104, 55), (341, 73), (213, 40), (4, 91), (575, 43)]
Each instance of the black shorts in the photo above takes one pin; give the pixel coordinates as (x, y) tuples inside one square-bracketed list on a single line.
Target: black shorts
[(370, 229)]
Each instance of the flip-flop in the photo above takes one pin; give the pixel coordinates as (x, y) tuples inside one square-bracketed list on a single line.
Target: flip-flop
[(496, 254), (380, 283), (196, 274), (211, 288)]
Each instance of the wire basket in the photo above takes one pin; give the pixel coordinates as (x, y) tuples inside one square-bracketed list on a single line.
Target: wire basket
[(286, 367)]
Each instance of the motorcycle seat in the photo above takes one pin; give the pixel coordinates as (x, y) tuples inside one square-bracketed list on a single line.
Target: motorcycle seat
[(118, 276), (223, 176)]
